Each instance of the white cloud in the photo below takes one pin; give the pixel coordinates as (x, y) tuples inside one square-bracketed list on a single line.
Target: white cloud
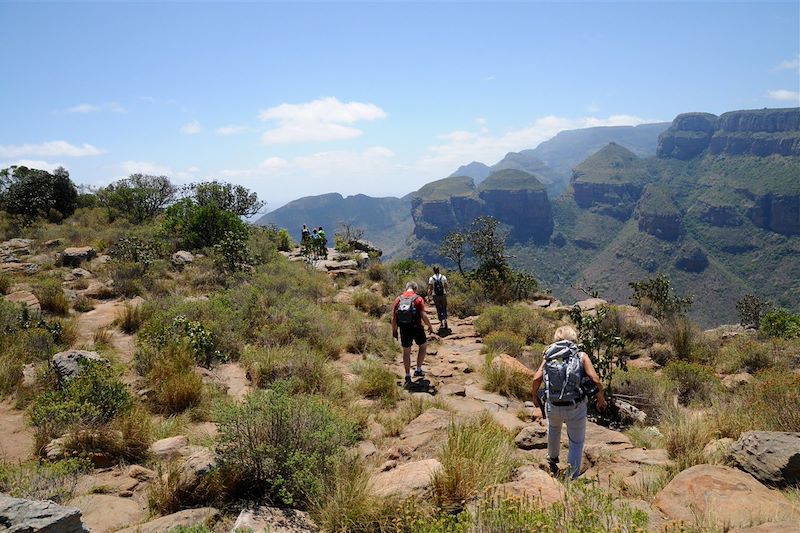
[(231, 129), (463, 146), (784, 95), (191, 128), (318, 120), (49, 149), (144, 167), (112, 107), (42, 165), (789, 64)]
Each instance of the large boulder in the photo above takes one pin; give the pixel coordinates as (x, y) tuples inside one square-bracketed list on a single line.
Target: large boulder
[(722, 496), (509, 364), (772, 457), (532, 437), (405, 480), (195, 468), (274, 520), (73, 257), (67, 364), (185, 518), (22, 516)]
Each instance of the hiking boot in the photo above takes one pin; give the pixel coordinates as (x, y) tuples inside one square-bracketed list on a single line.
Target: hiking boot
[(552, 464), (408, 381), (418, 373)]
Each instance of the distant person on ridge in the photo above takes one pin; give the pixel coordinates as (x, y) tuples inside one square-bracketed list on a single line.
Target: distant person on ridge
[(305, 234), (437, 286), (569, 378), (323, 242), (408, 314)]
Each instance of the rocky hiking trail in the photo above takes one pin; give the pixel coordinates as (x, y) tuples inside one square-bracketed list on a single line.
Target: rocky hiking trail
[(115, 498)]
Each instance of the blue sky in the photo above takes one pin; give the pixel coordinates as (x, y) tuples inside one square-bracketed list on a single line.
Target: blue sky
[(380, 98)]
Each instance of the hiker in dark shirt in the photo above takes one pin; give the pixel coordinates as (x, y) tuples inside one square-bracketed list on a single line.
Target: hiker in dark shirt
[(408, 315)]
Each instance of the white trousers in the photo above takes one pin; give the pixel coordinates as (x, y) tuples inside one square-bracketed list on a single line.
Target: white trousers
[(575, 418)]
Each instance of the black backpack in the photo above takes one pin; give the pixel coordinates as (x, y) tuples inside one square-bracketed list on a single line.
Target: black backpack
[(438, 286), (407, 310)]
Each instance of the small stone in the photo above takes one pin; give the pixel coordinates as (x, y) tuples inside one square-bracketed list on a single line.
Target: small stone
[(169, 448)]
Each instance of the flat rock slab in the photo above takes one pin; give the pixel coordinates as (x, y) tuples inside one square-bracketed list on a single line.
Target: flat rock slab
[(67, 364), (533, 483), (189, 517), (44, 516), (508, 420), (452, 389), (771, 527), (102, 513), (724, 497), (478, 393), (596, 434), (26, 298), (405, 480), (274, 520), (234, 377), (532, 437)]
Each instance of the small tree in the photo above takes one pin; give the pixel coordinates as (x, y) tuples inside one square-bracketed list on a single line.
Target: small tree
[(228, 197), (657, 295), (752, 309), (138, 197), (452, 247), (488, 243), (603, 345), (201, 225), (37, 193)]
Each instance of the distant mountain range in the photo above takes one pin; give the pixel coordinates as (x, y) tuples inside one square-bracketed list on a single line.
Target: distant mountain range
[(388, 221)]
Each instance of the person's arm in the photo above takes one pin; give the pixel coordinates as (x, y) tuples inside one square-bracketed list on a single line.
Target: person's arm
[(424, 315), (394, 320), (537, 382), (588, 368)]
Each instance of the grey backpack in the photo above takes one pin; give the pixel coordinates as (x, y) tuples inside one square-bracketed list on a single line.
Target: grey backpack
[(563, 372)]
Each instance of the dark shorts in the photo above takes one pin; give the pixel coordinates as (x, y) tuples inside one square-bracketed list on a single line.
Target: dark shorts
[(412, 334)]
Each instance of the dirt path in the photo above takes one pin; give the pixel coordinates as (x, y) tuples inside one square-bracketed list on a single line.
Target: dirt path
[(16, 444), (103, 316)]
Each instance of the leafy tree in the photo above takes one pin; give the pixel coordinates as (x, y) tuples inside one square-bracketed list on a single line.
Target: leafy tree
[(657, 295), (781, 323), (603, 345), (453, 248), (37, 193), (228, 197), (752, 309), (202, 225), (138, 197), (488, 243)]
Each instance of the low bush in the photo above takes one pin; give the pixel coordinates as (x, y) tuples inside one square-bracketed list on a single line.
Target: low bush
[(278, 446), (375, 381), (369, 302), (476, 455), (130, 318), (5, 283), (370, 337), (691, 382), (293, 319), (744, 354), (685, 436), (176, 386), (681, 335), (83, 304), (773, 400), (781, 323), (127, 277), (532, 324), (502, 380), (303, 368), (42, 480), (503, 342), (645, 390), (51, 297)]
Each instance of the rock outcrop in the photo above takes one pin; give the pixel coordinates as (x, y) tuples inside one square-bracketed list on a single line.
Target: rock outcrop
[(274, 520), (772, 457), (658, 215), (776, 212), (758, 132), (68, 364), (22, 516)]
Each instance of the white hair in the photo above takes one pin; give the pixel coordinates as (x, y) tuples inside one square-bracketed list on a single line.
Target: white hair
[(565, 333), (412, 285)]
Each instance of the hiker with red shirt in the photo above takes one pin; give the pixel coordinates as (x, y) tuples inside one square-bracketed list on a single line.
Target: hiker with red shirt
[(408, 315)]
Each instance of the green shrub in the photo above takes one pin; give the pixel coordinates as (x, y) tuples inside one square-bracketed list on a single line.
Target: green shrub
[(231, 253), (127, 277), (176, 387), (656, 296), (284, 240), (303, 367), (773, 400), (279, 446), (136, 250), (51, 297), (375, 381), (5, 283), (198, 226), (369, 302), (781, 323), (752, 309), (370, 337), (745, 354), (83, 304), (692, 382), (38, 193), (531, 323), (138, 197), (503, 342), (476, 455), (292, 319)]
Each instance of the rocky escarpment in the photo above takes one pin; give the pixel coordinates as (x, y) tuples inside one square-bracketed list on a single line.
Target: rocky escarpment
[(611, 181), (776, 212), (658, 214), (759, 132), (517, 199)]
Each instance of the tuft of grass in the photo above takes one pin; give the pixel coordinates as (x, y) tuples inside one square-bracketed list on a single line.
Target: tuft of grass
[(681, 334), (51, 297), (130, 318), (10, 373), (43, 480), (692, 382), (645, 389), (298, 364), (505, 381), (685, 436), (375, 381), (533, 325), (103, 337), (369, 302), (476, 455), (370, 337), (745, 354), (503, 342), (83, 304), (175, 384)]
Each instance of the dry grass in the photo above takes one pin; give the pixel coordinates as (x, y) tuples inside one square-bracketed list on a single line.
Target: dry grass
[(130, 318), (51, 297), (375, 381)]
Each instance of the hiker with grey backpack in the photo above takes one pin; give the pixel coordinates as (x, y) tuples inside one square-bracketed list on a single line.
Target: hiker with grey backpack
[(408, 315), (569, 380)]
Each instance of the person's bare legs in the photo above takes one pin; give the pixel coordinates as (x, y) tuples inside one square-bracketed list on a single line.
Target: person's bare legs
[(423, 351), (407, 360)]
